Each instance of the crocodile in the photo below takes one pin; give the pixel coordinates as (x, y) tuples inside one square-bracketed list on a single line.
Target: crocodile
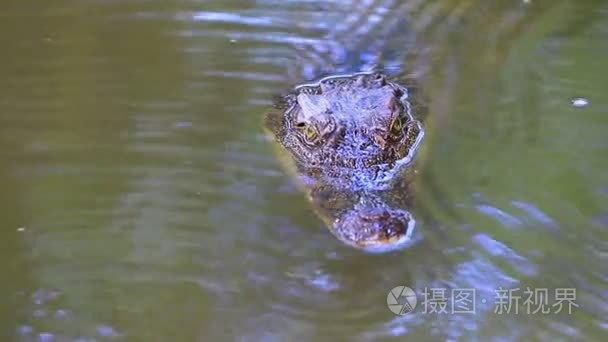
[(350, 141)]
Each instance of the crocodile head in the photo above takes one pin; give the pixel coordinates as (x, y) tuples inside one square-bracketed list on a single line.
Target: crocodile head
[(348, 137)]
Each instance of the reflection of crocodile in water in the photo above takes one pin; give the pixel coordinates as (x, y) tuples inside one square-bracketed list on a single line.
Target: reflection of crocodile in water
[(349, 140)]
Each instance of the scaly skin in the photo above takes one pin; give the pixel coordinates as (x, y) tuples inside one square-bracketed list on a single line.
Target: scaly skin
[(350, 140)]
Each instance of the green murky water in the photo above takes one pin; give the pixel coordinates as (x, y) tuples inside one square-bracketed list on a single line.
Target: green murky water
[(141, 202)]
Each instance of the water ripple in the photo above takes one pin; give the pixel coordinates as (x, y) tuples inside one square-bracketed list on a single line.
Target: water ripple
[(155, 209)]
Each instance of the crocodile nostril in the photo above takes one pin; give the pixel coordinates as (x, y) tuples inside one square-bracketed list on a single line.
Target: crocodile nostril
[(363, 146), (393, 227)]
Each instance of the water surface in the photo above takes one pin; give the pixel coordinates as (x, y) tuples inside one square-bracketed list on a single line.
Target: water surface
[(142, 202)]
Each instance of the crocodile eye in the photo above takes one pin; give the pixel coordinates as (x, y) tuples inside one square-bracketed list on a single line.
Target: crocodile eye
[(310, 134), (397, 127)]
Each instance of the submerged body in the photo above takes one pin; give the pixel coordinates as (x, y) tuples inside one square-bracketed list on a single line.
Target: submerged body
[(350, 140)]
